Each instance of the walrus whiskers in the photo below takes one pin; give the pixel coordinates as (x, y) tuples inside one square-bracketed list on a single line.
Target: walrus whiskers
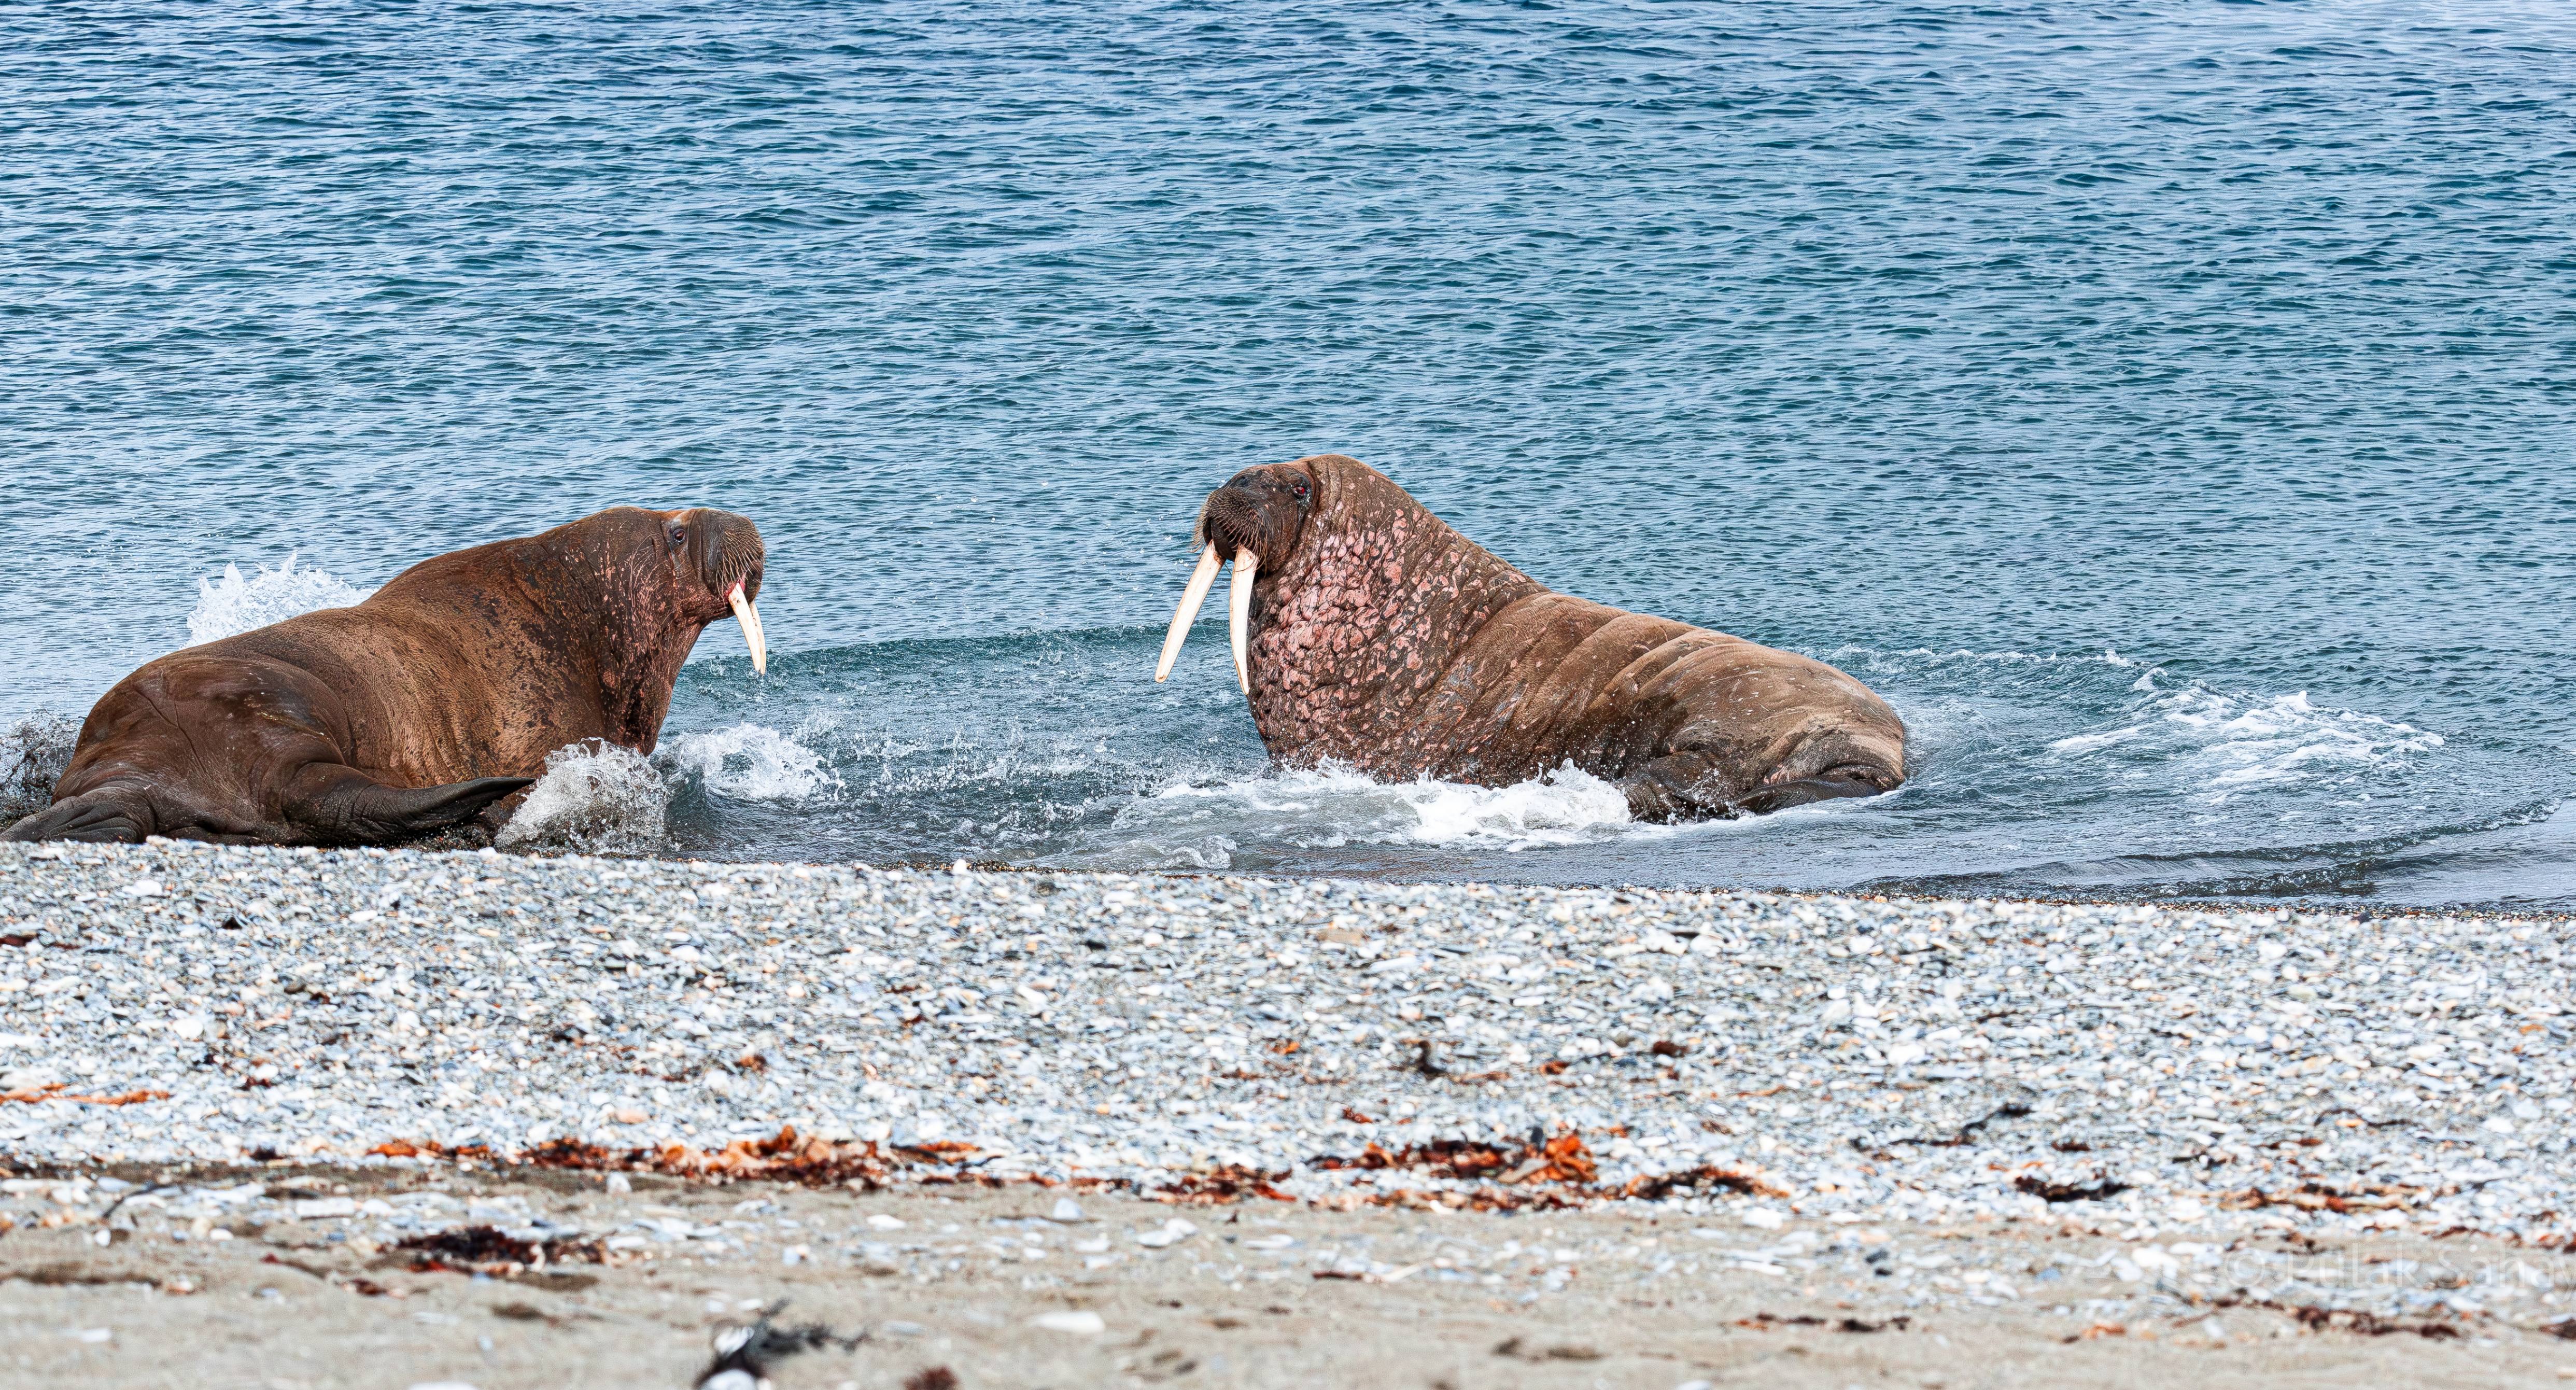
[(1238, 614), (1201, 579), (749, 615)]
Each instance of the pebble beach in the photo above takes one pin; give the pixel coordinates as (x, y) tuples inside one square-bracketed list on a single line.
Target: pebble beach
[(1802, 1080), (1878, 1060)]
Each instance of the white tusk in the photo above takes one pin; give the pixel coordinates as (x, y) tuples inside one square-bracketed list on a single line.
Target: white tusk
[(751, 633), (1191, 598), (1238, 615)]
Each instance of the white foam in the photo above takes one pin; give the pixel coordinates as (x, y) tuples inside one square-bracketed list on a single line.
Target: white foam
[(1326, 808), (1562, 807), (2108, 656), (232, 603), (594, 798), (2226, 743), (2287, 738), (748, 762), (2086, 743)]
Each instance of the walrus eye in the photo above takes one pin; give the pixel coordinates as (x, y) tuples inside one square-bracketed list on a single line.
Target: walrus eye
[(1299, 489), (679, 534)]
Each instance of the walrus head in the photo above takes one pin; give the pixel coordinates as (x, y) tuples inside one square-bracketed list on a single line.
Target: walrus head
[(669, 575), (716, 560), (1330, 530), (1254, 520), (1262, 510)]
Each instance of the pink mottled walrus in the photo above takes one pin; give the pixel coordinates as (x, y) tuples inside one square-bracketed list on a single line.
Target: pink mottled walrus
[(1367, 632)]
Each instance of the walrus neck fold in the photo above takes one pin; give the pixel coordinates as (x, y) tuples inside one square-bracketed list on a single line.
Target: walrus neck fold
[(648, 633), (1375, 603)]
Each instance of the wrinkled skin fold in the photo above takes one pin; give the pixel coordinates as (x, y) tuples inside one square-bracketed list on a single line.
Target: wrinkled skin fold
[(422, 708), (1378, 637)]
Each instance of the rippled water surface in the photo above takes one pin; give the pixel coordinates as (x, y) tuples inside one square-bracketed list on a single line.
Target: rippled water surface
[(2167, 407)]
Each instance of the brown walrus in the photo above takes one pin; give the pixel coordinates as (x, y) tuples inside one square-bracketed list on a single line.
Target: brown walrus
[(1367, 632), (414, 711)]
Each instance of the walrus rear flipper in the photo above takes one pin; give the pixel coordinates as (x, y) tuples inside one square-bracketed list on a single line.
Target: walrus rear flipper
[(115, 817), (341, 805)]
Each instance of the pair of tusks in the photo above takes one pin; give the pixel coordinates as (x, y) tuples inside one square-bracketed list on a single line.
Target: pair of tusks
[(751, 633), (1238, 612)]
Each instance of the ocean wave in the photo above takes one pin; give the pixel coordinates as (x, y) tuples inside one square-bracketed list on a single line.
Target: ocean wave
[(2287, 737), (1944, 656), (2088, 743), (233, 603), (600, 798)]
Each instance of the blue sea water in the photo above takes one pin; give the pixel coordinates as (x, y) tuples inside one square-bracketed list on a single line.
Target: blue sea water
[(2169, 407)]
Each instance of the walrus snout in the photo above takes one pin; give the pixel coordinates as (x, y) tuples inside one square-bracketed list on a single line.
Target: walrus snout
[(724, 549), (1829, 766), (1262, 510), (1231, 521)]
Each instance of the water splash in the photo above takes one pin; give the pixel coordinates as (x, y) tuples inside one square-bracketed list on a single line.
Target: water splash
[(233, 603), (594, 798), (33, 755), (748, 762)]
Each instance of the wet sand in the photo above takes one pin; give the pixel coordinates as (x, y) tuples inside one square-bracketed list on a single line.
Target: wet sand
[(960, 1285)]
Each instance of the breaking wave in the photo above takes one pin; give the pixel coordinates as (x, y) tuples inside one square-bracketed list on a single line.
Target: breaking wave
[(232, 603), (600, 798)]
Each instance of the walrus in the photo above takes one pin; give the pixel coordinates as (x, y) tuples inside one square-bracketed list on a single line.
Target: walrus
[(1367, 632), (414, 711)]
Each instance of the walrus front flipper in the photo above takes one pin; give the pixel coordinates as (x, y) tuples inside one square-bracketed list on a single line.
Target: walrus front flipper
[(1692, 784), (113, 817), (1685, 786), (127, 810), (341, 805), (1806, 791)]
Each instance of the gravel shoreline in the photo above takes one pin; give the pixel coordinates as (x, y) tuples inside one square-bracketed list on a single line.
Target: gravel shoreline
[(2189, 1073)]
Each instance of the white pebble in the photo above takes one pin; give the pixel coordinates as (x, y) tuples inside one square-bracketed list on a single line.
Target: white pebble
[(1082, 1323)]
